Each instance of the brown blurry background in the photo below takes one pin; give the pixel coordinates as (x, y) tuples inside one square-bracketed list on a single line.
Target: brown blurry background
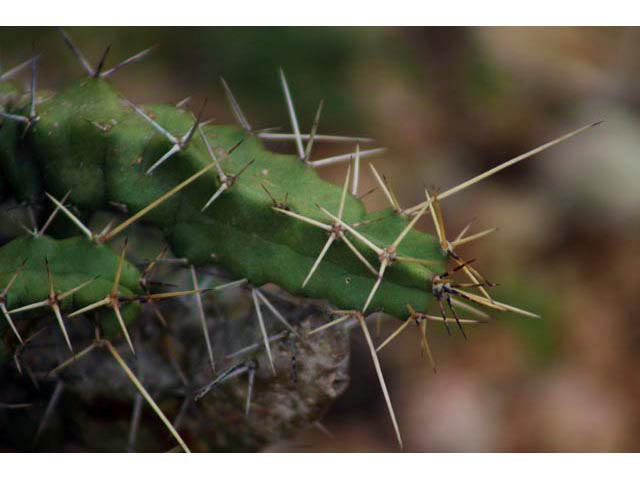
[(450, 103)]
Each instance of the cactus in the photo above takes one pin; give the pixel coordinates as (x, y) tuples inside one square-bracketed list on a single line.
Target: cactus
[(220, 199)]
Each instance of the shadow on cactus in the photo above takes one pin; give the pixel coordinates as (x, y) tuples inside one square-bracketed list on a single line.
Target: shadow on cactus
[(278, 266)]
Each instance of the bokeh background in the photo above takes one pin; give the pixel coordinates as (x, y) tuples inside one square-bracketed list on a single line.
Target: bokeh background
[(450, 103)]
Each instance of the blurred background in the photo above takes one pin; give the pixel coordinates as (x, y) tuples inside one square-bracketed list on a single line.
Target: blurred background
[(450, 103)]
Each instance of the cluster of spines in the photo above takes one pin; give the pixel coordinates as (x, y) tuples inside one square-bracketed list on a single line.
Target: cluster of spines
[(442, 287)]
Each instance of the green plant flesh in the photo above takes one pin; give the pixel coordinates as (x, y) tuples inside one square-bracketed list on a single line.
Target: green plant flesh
[(89, 142)]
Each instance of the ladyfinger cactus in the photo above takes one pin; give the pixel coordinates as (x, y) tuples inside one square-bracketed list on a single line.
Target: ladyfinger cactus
[(219, 198)]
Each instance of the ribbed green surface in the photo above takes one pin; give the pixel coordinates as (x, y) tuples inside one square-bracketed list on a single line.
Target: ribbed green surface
[(66, 151)]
